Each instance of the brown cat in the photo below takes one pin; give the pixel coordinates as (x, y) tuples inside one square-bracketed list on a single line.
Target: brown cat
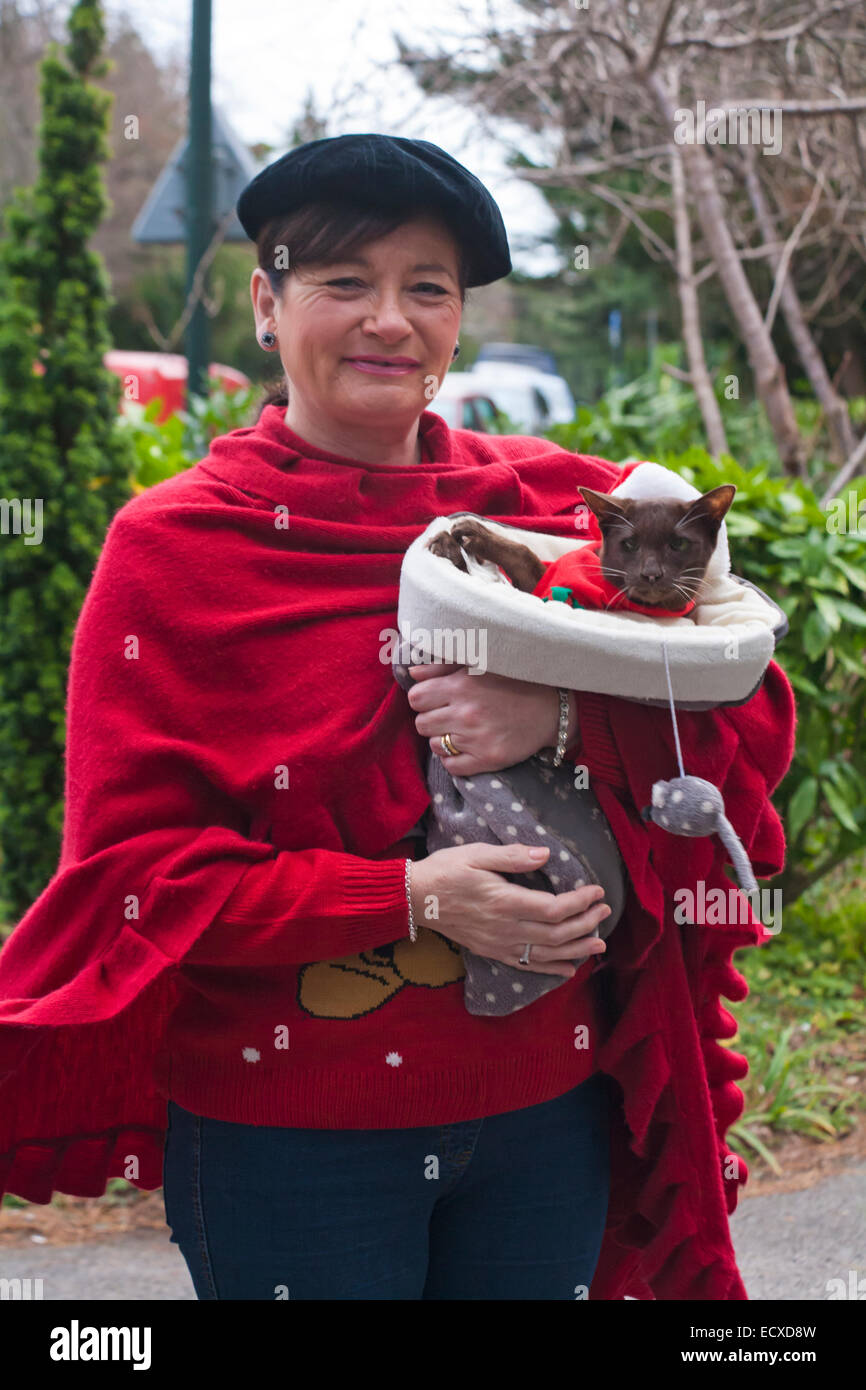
[(653, 554)]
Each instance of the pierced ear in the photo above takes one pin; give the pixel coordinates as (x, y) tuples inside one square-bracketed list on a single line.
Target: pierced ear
[(605, 508), (712, 505)]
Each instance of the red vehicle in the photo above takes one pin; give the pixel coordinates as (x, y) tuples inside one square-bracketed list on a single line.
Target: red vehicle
[(146, 375)]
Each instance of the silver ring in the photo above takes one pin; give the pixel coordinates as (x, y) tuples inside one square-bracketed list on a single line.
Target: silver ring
[(524, 959)]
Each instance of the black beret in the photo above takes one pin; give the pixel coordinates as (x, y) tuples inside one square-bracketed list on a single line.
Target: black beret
[(387, 172)]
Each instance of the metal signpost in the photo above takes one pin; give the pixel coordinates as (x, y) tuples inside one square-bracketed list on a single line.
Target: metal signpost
[(196, 192)]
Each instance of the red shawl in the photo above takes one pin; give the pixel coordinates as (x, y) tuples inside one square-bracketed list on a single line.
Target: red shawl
[(234, 622)]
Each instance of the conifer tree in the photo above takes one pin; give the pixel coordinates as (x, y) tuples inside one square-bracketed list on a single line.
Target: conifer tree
[(64, 466)]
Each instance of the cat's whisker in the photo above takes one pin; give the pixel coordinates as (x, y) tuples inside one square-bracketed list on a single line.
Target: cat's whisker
[(688, 596), (618, 595)]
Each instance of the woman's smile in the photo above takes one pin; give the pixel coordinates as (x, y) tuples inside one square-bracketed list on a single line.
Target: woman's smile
[(384, 366)]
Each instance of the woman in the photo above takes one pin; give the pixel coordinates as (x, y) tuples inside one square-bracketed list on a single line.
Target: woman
[(225, 950)]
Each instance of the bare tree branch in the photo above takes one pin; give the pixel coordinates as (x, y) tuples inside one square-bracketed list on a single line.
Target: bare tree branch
[(647, 63), (790, 247), (756, 37), (847, 472), (845, 105)]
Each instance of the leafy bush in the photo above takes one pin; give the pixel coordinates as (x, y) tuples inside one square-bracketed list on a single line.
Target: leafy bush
[(161, 450), (810, 983), (653, 415)]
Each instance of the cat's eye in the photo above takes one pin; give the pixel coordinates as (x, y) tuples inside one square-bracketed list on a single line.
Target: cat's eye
[(679, 543), (629, 543)]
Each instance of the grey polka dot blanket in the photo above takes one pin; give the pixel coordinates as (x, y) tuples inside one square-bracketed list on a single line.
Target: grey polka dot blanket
[(533, 804)]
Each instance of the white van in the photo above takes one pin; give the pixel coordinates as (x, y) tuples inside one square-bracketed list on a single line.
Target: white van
[(533, 399), (464, 404)]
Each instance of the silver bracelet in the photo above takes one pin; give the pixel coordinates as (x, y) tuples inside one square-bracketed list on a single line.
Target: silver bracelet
[(413, 930), (563, 728), (563, 733)]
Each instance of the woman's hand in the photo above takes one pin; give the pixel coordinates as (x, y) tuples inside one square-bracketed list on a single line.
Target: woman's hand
[(481, 910), (494, 721)]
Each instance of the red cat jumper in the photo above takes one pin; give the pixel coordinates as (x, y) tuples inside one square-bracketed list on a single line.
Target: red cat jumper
[(578, 576), (227, 923)]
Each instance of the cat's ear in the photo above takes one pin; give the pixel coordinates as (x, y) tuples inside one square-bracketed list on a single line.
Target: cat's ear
[(711, 506), (605, 508)]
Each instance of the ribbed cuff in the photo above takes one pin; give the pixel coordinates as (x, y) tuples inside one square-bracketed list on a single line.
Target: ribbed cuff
[(374, 888)]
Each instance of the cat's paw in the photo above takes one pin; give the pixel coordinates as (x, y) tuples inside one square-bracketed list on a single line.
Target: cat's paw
[(445, 546), (475, 539)]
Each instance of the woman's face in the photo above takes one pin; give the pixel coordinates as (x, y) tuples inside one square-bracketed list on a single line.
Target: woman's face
[(366, 341)]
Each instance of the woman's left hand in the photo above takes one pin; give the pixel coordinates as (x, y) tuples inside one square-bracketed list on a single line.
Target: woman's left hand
[(494, 721)]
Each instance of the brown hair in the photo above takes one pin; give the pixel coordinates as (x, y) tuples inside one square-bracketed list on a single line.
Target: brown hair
[(329, 231)]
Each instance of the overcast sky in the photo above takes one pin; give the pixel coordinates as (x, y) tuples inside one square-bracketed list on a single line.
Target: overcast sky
[(268, 53)]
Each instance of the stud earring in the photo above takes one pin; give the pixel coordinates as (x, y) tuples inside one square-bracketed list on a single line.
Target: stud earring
[(267, 339), (456, 352)]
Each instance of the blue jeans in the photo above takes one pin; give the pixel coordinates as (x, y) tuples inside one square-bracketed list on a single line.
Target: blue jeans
[(510, 1206)]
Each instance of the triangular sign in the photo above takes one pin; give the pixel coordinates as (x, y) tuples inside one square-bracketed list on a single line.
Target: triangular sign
[(163, 216)]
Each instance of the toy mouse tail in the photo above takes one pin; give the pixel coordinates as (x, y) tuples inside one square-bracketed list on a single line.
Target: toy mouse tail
[(740, 860)]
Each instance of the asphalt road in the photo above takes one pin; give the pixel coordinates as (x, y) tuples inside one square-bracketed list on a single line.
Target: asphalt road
[(789, 1246)]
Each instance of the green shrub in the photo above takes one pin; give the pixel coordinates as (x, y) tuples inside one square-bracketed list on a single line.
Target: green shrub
[(804, 1021), (163, 449), (60, 450)]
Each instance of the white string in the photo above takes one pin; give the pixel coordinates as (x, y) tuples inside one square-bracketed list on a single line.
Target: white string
[(673, 710)]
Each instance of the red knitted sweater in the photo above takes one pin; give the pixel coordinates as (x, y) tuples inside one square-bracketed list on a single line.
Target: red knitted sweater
[(370, 1033), (227, 923)]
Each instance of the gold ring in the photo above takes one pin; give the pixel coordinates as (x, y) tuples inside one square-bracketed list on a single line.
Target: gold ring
[(449, 746)]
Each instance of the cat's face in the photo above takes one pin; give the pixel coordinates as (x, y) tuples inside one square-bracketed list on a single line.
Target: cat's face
[(657, 549)]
